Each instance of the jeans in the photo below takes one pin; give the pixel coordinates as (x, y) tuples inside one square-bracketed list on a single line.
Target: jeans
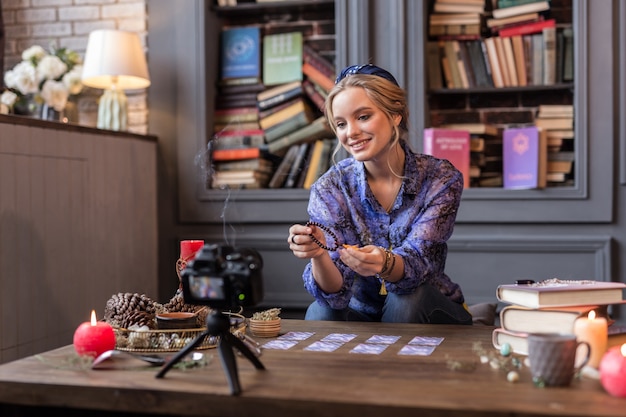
[(425, 305)]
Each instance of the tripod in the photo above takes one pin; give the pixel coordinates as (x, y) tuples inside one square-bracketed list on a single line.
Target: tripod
[(218, 324)]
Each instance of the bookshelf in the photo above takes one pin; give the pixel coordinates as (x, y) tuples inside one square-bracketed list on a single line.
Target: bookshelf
[(570, 229)]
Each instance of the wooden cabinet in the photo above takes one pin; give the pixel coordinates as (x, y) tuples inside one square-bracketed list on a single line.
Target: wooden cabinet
[(78, 223)]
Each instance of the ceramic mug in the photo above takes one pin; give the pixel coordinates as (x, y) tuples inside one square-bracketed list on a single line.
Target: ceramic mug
[(553, 358)]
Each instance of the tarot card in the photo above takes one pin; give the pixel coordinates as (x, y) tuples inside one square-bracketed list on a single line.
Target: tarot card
[(419, 350), (296, 335), (426, 341), (369, 348), (383, 339), (339, 337), (321, 346), (280, 344)]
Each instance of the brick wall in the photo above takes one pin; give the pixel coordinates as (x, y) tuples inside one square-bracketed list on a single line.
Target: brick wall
[(67, 23)]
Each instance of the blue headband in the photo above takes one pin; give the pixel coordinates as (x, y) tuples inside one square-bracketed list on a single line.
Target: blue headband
[(368, 69)]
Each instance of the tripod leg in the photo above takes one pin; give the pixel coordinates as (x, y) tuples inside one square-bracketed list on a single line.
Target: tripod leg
[(181, 354), (229, 363), (245, 350)]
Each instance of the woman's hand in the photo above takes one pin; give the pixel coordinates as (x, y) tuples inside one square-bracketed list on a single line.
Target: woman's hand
[(365, 261), (301, 243)]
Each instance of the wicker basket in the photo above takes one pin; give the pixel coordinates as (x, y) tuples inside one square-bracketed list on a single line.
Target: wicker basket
[(169, 340)]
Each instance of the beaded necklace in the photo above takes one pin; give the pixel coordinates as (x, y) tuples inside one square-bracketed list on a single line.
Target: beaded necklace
[(328, 231)]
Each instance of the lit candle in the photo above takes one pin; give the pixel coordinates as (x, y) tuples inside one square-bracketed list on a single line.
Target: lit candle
[(93, 338), (613, 371), (593, 330), (188, 249)]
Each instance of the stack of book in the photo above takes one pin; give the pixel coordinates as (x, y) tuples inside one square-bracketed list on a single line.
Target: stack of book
[(558, 123), (303, 164), (456, 18), (523, 16), (550, 306), (485, 153)]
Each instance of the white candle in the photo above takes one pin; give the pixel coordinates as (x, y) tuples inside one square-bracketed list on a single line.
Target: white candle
[(593, 330)]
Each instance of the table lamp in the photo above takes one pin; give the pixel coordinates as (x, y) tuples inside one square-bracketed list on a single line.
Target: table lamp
[(114, 61)]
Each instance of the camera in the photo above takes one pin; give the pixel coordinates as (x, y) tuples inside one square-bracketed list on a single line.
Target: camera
[(223, 277)]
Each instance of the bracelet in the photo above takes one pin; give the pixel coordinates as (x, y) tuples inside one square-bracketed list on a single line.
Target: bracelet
[(390, 270), (388, 258)]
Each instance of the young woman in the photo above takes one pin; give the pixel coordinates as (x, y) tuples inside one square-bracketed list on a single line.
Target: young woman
[(380, 219)]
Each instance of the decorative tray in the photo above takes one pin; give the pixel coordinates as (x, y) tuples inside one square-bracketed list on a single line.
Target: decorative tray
[(170, 340)]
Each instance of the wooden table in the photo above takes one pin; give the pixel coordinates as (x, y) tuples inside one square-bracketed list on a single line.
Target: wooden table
[(305, 383)]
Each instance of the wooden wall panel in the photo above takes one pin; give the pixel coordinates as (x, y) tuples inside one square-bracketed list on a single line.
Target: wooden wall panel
[(78, 223)]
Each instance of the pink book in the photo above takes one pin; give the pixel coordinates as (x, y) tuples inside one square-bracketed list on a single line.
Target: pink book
[(450, 144)]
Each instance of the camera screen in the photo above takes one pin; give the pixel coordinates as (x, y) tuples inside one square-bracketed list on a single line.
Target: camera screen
[(206, 288)]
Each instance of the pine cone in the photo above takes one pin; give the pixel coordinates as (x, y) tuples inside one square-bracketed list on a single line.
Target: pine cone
[(138, 318), (121, 305), (177, 303)]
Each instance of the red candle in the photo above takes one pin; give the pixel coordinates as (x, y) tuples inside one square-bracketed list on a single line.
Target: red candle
[(188, 249), (93, 338), (613, 371)]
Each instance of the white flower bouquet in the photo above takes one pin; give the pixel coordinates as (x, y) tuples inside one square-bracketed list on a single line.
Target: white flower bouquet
[(48, 77)]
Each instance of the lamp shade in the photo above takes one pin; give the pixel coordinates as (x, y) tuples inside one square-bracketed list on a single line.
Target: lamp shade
[(115, 58)]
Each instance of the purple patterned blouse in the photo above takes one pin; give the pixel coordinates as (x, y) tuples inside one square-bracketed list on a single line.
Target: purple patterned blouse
[(417, 227)]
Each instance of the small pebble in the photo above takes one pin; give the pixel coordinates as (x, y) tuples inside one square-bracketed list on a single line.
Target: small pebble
[(505, 349), (484, 359), (512, 376)]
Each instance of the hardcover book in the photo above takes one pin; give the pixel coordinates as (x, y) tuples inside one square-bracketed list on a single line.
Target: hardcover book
[(240, 52), (524, 158), (546, 320), (282, 58), (559, 293), (453, 145), (318, 129), (517, 341)]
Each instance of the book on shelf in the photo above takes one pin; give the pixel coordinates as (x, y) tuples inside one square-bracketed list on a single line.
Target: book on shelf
[(282, 170), (453, 63), (520, 60), (254, 164), (282, 58), (537, 6), (555, 111), (229, 139), (459, 7), (314, 95), (232, 89), (297, 167), (311, 56), (236, 114), (549, 55), (450, 144), (524, 158), (568, 55), (517, 341), (502, 4), (455, 31), (279, 94), (494, 62), (555, 123), (528, 28), (318, 77), (504, 67), (482, 74), (288, 126), (294, 107), (559, 293), (496, 24), (232, 82), (564, 167), (317, 129), (319, 161), (233, 154), (547, 320), (220, 127), (537, 58), (438, 19), (509, 58), (240, 52)]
